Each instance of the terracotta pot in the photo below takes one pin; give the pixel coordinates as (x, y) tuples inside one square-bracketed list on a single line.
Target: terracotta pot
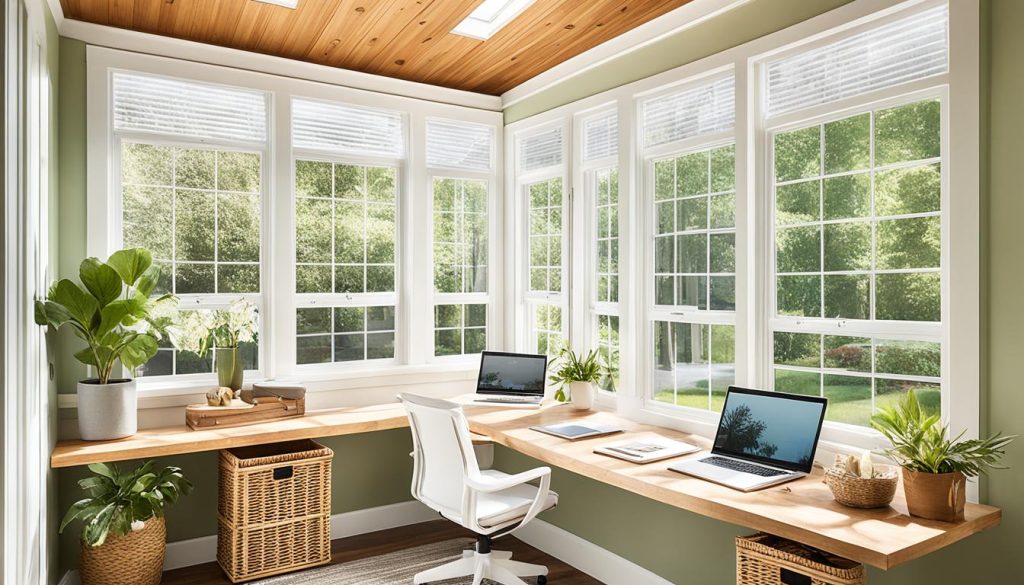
[(136, 558), (935, 496)]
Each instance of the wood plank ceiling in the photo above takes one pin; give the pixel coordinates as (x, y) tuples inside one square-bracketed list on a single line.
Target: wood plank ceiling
[(405, 39)]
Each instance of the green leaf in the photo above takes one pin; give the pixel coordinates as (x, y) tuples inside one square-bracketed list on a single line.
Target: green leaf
[(138, 351), (104, 470), (148, 281), (88, 355), (79, 304), (101, 280), (113, 315), (131, 263), (76, 510)]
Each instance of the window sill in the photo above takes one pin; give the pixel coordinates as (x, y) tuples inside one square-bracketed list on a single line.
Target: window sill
[(378, 380)]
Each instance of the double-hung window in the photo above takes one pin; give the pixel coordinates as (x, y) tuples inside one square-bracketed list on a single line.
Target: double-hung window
[(541, 182), (857, 226), (347, 166), (460, 161), (189, 162), (688, 149), (599, 162)]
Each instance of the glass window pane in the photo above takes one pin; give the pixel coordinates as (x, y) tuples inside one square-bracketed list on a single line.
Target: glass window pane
[(691, 253), (908, 358), (665, 179), (149, 219), (848, 353), (312, 279), (909, 243), (723, 169), (147, 164), (723, 211), (847, 296), (691, 291), (908, 190), (238, 171), (847, 196), (191, 278), (797, 203), (847, 246), (798, 249), (313, 230), (312, 178), (194, 225), (798, 382), (195, 168), (723, 252), (798, 296), (797, 349), (316, 320), (723, 363), (797, 154), (723, 293), (908, 297), (889, 393), (238, 228), (692, 214), (238, 278), (848, 144), (692, 174), (849, 399), (907, 133), (692, 374)]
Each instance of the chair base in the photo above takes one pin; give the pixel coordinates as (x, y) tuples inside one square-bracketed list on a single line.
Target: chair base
[(496, 566)]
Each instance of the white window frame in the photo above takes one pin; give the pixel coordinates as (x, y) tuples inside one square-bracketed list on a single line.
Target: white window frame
[(414, 330), (585, 306), (487, 298), (528, 300), (961, 220), (365, 300)]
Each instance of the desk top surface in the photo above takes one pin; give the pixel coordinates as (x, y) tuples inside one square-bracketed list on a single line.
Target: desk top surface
[(802, 510)]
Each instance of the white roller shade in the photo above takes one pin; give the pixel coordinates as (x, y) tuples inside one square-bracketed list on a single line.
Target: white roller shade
[(539, 150), (348, 129), (188, 109), (904, 50), (701, 109), (601, 137), (459, 145)]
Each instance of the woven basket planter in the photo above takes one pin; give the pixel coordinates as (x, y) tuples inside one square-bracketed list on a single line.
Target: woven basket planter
[(857, 492), (275, 509), (136, 558), (763, 559)]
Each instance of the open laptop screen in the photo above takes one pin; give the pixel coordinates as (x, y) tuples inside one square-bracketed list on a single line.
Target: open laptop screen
[(770, 427), (511, 374)]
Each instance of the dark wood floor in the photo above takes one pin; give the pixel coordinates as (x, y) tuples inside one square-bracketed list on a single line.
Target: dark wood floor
[(386, 541)]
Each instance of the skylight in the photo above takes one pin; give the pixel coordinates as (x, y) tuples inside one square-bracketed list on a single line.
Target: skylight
[(490, 17)]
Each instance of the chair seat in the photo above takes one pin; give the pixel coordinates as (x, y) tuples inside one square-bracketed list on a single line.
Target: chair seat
[(507, 505)]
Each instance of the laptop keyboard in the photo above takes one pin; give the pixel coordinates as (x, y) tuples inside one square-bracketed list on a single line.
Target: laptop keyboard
[(742, 467)]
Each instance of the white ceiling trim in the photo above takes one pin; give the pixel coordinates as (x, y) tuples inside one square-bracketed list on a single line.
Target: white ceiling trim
[(57, 11), (139, 42), (682, 18)]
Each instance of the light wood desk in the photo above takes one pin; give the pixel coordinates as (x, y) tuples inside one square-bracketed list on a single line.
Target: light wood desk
[(802, 510)]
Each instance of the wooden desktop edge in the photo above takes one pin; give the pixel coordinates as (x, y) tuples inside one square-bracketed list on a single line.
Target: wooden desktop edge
[(501, 425)]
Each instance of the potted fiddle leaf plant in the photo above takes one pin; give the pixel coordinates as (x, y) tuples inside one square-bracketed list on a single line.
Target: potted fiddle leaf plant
[(935, 467), (580, 374), (221, 330), (124, 536), (113, 313)]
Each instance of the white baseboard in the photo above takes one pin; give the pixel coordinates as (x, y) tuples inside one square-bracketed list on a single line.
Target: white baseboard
[(601, 564), (586, 556)]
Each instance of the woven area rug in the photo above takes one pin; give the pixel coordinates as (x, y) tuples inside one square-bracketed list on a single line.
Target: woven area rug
[(395, 568)]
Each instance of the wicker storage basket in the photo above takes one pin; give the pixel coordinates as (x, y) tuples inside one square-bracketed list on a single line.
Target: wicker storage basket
[(858, 492), (763, 559), (137, 558), (275, 509)]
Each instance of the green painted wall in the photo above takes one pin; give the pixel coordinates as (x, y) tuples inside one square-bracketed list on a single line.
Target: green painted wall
[(750, 21), (373, 469)]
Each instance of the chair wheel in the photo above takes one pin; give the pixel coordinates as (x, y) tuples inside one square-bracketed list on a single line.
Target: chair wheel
[(542, 580)]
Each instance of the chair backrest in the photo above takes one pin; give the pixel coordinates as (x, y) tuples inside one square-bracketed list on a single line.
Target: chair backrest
[(443, 453)]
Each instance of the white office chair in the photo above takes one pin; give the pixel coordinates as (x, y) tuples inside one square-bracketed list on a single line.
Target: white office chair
[(447, 478)]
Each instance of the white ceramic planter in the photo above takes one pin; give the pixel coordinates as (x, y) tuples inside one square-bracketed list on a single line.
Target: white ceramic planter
[(582, 394), (107, 411)]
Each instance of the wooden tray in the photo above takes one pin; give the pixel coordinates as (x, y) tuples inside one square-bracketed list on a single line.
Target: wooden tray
[(203, 416)]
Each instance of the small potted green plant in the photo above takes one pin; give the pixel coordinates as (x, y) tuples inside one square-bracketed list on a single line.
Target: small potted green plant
[(935, 467), (223, 330), (124, 536), (113, 313), (579, 374)]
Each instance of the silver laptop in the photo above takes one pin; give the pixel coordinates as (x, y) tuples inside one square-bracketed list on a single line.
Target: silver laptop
[(763, 439), (511, 378)]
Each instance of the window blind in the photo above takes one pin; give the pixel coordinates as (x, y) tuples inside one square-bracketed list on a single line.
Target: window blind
[(188, 109), (703, 109), (904, 50), (459, 145), (601, 137), (346, 128), (543, 149)]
